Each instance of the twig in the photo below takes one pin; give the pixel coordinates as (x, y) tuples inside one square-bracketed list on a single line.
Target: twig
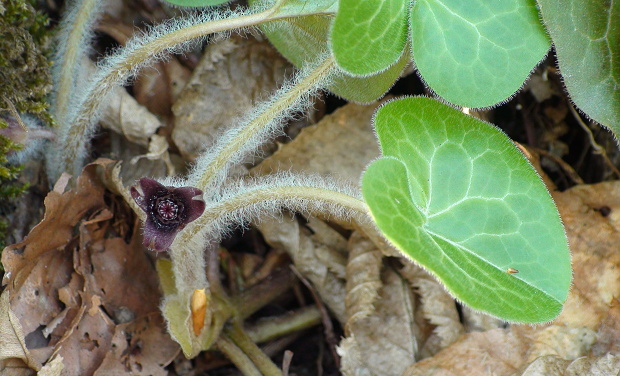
[(330, 337), (237, 356), (236, 333), (598, 149)]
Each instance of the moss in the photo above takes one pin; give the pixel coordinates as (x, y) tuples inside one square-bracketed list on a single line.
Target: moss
[(25, 81), (25, 77)]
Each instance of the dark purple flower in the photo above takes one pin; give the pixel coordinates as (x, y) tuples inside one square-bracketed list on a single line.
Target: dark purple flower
[(167, 209)]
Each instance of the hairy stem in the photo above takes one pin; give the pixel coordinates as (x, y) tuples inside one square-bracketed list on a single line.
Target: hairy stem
[(295, 197), (228, 149), (72, 44), (116, 69)]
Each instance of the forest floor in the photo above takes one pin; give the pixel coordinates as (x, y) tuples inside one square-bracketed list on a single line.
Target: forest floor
[(86, 294)]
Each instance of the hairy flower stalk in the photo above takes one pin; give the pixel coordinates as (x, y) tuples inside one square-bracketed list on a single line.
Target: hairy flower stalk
[(236, 203), (73, 42), (173, 36), (261, 124)]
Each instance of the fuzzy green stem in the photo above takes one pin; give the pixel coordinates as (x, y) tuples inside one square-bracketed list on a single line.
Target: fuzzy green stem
[(256, 355), (72, 48), (290, 97), (72, 142), (286, 194)]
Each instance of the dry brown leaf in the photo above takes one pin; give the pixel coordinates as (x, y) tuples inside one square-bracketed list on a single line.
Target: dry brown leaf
[(231, 77), (330, 247), (285, 233), (363, 278), (594, 240), (52, 368), (476, 321), (437, 306), (608, 365), (498, 351), (141, 347), (69, 293), (608, 334), (382, 333), (124, 115), (15, 359), (341, 145), (85, 345), (62, 212)]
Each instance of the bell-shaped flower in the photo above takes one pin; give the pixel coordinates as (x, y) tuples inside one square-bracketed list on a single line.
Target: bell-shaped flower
[(168, 210)]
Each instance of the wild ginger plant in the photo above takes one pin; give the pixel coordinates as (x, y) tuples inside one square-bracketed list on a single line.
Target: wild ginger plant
[(451, 192)]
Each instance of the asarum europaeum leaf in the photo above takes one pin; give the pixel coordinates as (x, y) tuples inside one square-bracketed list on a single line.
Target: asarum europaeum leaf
[(476, 53), (303, 39), (586, 36), (368, 36), (456, 196)]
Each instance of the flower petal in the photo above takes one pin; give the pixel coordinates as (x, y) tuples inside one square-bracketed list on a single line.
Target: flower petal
[(192, 199), (155, 239)]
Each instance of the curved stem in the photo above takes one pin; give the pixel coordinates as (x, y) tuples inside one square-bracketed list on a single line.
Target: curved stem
[(119, 67), (77, 23), (280, 104), (295, 197)]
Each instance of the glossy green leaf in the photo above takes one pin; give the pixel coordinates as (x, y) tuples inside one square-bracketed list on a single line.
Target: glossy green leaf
[(586, 35), (455, 195), (368, 36), (196, 3), (303, 39), (476, 53)]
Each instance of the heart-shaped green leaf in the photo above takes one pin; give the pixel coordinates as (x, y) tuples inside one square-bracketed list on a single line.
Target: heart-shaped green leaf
[(476, 53), (455, 195), (587, 43), (302, 39), (368, 36)]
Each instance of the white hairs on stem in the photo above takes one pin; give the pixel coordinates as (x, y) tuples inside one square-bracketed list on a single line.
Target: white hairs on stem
[(251, 199), (261, 123), (156, 44), (72, 45)]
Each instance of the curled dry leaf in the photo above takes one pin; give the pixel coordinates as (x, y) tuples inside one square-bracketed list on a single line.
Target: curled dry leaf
[(381, 341), (363, 278), (285, 233), (124, 115), (438, 307), (231, 77)]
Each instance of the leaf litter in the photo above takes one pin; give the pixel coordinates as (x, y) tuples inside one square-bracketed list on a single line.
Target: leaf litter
[(81, 295)]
